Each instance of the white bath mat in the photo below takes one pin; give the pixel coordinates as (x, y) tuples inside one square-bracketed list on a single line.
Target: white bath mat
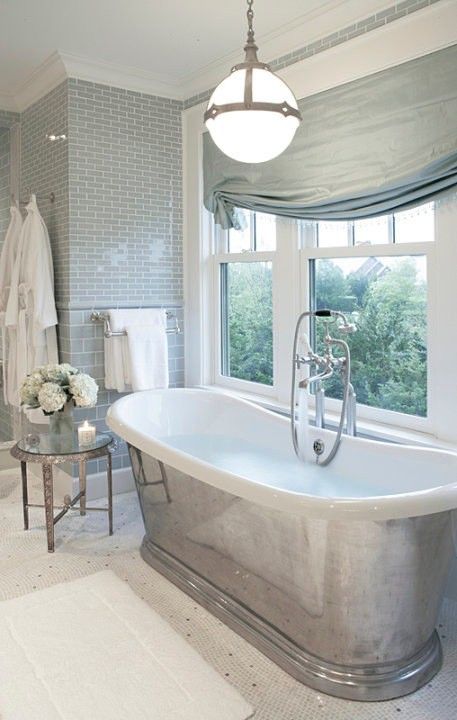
[(92, 649)]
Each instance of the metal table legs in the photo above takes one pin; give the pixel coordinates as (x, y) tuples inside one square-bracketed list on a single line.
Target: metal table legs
[(82, 487), (48, 491), (109, 472), (25, 495)]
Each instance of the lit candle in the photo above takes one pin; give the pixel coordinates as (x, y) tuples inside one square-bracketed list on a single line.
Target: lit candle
[(86, 434)]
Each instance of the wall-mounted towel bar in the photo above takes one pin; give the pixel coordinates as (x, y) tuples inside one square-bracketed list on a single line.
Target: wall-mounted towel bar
[(98, 316), (50, 198)]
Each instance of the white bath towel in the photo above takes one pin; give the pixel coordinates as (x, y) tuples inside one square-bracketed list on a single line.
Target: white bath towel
[(148, 356), (117, 376), (31, 314), (7, 262), (118, 349), (114, 364)]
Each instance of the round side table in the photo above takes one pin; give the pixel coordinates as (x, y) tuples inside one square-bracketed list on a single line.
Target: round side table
[(51, 450)]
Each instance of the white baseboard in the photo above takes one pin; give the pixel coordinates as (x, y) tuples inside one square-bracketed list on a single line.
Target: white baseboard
[(65, 484), (97, 483)]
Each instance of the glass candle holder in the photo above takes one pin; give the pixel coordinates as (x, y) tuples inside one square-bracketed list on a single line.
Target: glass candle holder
[(86, 434)]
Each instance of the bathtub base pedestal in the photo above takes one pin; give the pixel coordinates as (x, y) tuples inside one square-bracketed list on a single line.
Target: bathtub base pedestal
[(372, 683)]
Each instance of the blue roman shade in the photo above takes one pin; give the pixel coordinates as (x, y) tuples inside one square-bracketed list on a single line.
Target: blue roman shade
[(378, 144)]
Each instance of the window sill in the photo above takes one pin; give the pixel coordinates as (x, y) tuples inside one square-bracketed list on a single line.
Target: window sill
[(365, 428)]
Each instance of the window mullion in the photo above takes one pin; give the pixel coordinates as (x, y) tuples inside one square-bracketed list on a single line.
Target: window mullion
[(220, 240), (370, 250), (224, 348), (391, 229), (286, 304), (442, 325)]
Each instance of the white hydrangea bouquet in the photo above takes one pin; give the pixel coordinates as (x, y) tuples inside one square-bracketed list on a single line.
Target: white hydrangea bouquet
[(51, 387)]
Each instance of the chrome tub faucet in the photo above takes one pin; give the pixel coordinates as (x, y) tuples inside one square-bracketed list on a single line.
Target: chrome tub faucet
[(325, 366)]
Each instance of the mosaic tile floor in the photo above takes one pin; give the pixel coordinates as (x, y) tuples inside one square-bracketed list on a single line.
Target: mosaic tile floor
[(83, 547)]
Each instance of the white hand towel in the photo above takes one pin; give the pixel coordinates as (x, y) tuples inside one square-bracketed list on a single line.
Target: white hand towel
[(114, 364), (148, 356), (117, 350)]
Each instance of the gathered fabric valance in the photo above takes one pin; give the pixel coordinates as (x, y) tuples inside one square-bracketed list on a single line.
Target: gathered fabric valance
[(375, 145)]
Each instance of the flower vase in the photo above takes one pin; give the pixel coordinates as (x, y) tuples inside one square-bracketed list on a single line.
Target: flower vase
[(61, 428)]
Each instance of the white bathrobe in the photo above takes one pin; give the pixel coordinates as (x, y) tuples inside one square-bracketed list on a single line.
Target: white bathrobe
[(7, 261), (31, 309)]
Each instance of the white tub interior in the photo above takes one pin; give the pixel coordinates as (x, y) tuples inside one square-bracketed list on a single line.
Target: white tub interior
[(247, 450)]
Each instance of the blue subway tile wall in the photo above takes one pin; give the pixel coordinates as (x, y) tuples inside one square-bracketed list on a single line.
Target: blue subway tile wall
[(125, 171), (44, 169), (125, 197), (116, 225), (4, 182), (5, 415), (85, 343), (8, 118), (390, 14)]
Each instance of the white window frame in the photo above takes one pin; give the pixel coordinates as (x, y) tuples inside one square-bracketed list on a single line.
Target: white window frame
[(284, 268), (293, 249), (291, 296), (390, 249), (225, 380)]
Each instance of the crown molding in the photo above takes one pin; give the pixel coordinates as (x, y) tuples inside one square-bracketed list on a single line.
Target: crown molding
[(121, 76), (44, 79), (332, 16), (8, 103), (429, 30), (309, 28), (408, 38)]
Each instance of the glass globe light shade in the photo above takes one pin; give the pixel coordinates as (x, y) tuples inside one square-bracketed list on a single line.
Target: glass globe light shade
[(253, 136)]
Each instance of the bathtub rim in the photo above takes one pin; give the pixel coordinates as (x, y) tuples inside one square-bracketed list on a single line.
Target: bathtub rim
[(417, 503)]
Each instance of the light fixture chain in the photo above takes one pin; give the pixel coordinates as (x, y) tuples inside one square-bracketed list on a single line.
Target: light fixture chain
[(250, 16)]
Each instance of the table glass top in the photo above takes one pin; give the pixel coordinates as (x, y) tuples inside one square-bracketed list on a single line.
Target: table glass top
[(46, 444)]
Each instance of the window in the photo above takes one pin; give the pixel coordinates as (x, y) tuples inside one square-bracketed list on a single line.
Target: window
[(416, 225), (247, 321), (380, 271), (408, 226), (386, 297), (257, 233), (378, 276), (245, 280)]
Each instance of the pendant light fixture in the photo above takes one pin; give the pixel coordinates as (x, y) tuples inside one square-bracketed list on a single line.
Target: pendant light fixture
[(252, 115)]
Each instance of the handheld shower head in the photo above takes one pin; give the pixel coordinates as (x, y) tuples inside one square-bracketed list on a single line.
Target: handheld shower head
[(346, 327)]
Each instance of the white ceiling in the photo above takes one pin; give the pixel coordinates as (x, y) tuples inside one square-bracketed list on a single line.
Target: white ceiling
[(179, 44)]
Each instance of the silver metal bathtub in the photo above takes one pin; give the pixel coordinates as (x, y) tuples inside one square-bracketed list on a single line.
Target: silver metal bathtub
[(346, 606)]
